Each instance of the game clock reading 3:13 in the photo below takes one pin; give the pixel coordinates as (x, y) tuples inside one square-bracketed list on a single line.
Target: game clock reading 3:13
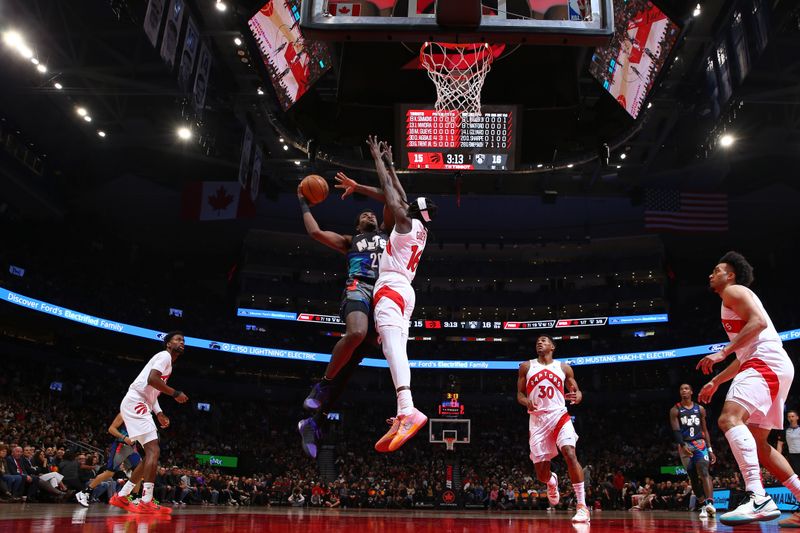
[(451, 140)]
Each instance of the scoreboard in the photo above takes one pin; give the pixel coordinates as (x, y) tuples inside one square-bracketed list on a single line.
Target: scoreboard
[(452, 140)]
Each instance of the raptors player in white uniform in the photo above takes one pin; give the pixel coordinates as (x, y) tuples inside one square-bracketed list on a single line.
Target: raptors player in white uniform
[(394, 296), (137, 409), (540, 389), (762, 374)]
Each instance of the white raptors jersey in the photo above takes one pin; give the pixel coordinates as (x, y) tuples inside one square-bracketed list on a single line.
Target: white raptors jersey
[(403, 252), (768, 341), (139, 389), (545, 387)]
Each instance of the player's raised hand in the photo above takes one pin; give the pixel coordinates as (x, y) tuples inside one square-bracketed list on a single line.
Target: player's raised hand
[(706, 364), (386, 153), (345, 183), (374, 148), (707, 392)]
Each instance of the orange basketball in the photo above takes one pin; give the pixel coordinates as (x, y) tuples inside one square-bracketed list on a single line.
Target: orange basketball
[(314, 188)]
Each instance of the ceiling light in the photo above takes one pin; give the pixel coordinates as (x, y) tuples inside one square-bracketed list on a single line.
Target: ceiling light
[(623, 155), (25, 52), (649, 105), (34, 61), (280, 139), (297, 162), (697, 11), (13, 39), (260, 91), (570, 165), (221, 6), (58, 86), (286, 147), (101, 133), (237, 41), (539, 165), (726, 140), (87, 118), (41, 68), (619, 166), (81, 111), (184, 133)]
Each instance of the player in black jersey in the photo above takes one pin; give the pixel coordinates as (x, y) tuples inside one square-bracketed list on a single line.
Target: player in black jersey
[(363, 251), (688, 421)]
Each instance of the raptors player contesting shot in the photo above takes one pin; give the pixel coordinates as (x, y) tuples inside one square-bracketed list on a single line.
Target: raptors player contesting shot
[(762, 374), (540, 389), (394, 296)]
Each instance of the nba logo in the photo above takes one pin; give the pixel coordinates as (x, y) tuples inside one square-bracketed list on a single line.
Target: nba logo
[(580, 10)]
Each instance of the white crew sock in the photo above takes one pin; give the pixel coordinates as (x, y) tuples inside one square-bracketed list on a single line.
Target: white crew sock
[(793, 484), (553, 480), (580, 493), (147, 492), (743, 446), (126, 489), (394, 349)]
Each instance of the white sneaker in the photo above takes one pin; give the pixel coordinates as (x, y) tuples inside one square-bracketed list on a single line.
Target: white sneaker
[(753, 508), (553, 495), (582, 514), (703, 513), (82, 498), (710, 509)]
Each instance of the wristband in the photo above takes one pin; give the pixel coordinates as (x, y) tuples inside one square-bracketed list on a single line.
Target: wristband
[(304, 206), (176, 393), (710, 450)]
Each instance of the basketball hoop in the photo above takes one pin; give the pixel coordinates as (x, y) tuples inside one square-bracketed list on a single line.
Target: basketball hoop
[(458, 71), (450, 443)]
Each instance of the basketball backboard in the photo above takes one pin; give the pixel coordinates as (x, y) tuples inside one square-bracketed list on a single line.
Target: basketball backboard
[(566, 22), (440, 429)]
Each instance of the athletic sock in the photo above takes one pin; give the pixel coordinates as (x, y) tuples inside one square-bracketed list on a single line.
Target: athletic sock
[(126, 489), (743, 446), (394, 349), (793, 484), (580, 493), (553, 480), (708, 501), (147, 492)]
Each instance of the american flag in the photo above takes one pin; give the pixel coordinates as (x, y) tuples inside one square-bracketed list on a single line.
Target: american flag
[(668, 210)]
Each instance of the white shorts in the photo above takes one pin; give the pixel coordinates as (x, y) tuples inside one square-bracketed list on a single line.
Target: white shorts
[(394, 304), (549, 432), (138, 419), (761, 387)]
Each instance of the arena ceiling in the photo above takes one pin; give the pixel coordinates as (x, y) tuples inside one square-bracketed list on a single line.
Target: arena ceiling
[(100, 56)]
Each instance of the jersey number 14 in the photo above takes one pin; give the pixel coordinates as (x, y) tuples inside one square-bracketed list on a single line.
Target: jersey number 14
[(416, 254)]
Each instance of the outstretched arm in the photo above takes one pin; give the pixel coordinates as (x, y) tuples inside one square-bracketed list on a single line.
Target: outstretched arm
[(340, 243), (575, 396), (386, 155), (393, 197), (350, 186)]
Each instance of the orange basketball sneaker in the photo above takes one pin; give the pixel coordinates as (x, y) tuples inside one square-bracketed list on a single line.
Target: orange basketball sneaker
[(151, 507), (383, 444), (409, 425), (123, 502)]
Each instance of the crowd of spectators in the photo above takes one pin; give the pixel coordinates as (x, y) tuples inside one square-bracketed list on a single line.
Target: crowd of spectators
[(622, 446)]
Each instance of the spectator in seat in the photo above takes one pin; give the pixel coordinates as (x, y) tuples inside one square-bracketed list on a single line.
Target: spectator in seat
[(10, 484), (30, 481), (297, 499)]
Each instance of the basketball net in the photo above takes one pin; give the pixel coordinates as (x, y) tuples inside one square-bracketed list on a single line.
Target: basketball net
[(458, 71), (449, 442)]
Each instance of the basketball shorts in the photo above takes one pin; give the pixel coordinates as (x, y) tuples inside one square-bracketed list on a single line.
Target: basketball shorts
[(699, 453), (761, 387), (357, 296), (548, 432), (138, 419), (394, 304), (122, 457)]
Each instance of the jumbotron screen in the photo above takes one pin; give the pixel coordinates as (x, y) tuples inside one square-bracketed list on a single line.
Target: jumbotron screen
[(628, 66), (451, 140)]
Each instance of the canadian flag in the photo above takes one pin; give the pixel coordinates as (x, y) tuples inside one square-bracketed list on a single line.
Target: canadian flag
[(344, 8), (216, 200)]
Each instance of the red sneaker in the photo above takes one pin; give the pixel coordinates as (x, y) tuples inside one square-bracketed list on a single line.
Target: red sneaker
[(383, 444), (151, 507), (123, 502)]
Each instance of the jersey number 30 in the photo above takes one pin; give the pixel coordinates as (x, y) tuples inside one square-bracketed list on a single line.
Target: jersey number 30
[(546, 392)]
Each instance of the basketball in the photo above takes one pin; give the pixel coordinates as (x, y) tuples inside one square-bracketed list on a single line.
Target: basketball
[(314, 188)]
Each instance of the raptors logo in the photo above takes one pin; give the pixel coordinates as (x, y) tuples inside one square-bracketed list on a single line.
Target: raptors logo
[(448, 496), (140, 408)]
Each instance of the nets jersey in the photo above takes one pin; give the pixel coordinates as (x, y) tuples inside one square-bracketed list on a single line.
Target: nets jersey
[(140, 390), (545, 387), (365, 254), (768, 341), (403, 252), (689, 420)]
